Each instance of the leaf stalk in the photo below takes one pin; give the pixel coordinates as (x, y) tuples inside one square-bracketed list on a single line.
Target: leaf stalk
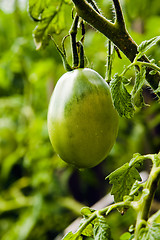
[(73, 33), (145, 204)]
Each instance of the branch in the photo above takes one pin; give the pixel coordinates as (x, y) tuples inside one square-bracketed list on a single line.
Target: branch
[(119, 14), (93, 5), (116, 32), (113, 31), (151, 185)]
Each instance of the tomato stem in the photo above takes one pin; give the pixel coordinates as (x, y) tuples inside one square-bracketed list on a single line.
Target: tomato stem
[(81, 53), (119, 15), (103, 211), (140, 63), (94, 5), (63, 56), (116, 32), (110, 56), (146, 199), (73, 33)]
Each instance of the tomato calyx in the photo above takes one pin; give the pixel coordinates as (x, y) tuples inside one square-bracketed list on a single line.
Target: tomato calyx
[(76, 46)]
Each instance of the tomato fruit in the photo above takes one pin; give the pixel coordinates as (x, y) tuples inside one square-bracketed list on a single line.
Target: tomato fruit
[(82, 122)]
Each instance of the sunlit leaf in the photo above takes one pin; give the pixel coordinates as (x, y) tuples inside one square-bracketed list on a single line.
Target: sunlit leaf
[(125, 236), (137, 96), (150, 232), (88, 231), (121, 97), (122, 179), (86, 211), (50, 18), (155, 217), (102, 229), (146, 45)]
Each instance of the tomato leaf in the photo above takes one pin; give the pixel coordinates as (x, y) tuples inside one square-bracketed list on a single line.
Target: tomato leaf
[(135, 188), (146, 45), (123, 179), (86, 211), (150, 233), (136, 160), (156, 159), (35, 8), (137, 96), (49, 17), (125, 236), (102, 229), (155, 217), (152, 72), (72, 236), (121, 97), (88, 231)]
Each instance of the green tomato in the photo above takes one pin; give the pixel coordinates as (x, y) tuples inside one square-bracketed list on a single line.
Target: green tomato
[(82, 121)]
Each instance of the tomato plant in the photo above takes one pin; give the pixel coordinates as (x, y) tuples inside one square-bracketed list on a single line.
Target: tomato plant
[(82, 120), (83, 123)]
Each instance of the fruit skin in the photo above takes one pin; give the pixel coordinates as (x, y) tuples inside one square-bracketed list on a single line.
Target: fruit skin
[(82, 121)]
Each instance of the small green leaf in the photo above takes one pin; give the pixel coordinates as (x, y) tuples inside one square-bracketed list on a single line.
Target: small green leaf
[(137, 160), (126, 80), (88, 231), (50, 17), (138, 100), (125, 236), (137, 96), (135, 188), (131, 228), (152, 60), (127, 198), (86, 211), (102, 229), (66, 65), (145, 194), (146, 45), (155, 217), (152, 72), (121, 97), (122, 179), (150, 232), (156, 159), (35, 8)]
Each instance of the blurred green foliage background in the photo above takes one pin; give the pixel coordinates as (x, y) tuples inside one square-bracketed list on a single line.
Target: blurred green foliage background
[(39, 194)]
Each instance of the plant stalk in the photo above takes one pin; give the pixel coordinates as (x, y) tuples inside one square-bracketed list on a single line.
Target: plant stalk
[(146, 202), (138, 63), (103, 211), (73, 33), (109, 62), (116, 32)]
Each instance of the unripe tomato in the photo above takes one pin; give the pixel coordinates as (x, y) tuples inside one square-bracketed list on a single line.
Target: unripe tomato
[(82, 121)]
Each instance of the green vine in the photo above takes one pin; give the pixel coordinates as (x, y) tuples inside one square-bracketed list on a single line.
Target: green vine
[(141, 205)]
